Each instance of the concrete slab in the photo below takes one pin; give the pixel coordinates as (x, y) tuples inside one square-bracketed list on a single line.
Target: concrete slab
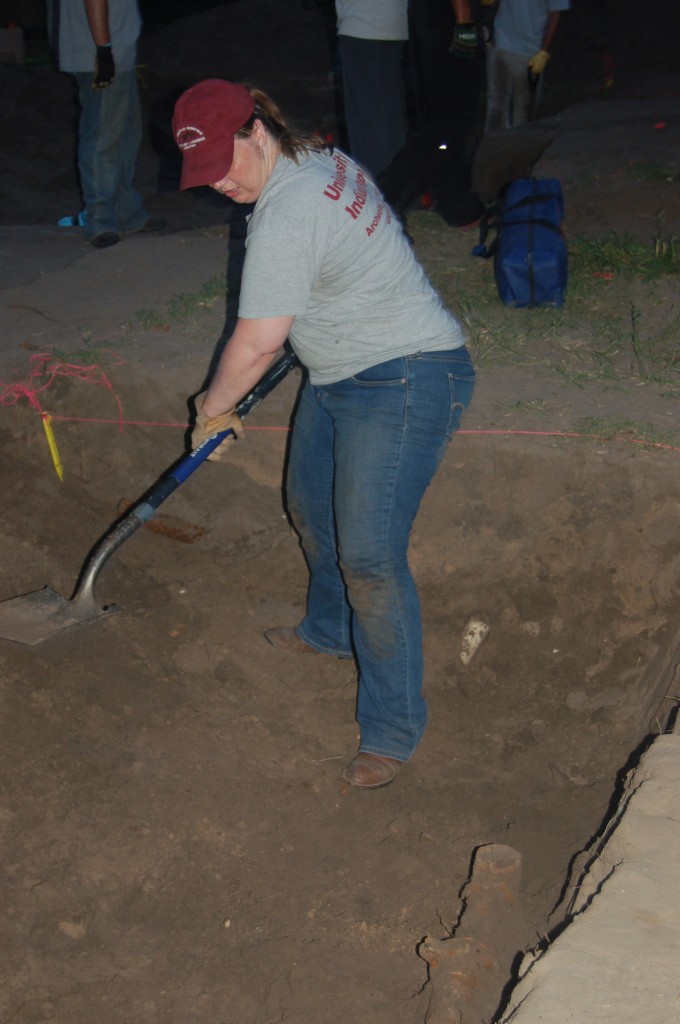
[(57, 291), (617, 959)]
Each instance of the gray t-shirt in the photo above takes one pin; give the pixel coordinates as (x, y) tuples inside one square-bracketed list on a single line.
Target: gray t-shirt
[(324, 246), (74, 43), (378, 19), (519, 25)]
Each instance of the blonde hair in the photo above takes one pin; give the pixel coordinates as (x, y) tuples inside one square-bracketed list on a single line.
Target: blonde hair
[(291, 142)]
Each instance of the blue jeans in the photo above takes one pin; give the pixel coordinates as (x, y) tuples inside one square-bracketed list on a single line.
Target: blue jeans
[(363, 453), (508, 94), (109, 137), (374, 101)]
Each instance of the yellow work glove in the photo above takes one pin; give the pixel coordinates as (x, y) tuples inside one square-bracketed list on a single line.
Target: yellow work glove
[(207, 425), (538, 62)]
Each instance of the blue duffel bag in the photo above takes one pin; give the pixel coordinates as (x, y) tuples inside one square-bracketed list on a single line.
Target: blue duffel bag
[(529, 251)]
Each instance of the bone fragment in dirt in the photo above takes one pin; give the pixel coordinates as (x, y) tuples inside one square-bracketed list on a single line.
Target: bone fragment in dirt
[(475, 632), (468, 971)]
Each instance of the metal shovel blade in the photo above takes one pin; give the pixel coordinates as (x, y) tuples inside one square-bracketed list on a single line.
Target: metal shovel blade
[(32, 618)]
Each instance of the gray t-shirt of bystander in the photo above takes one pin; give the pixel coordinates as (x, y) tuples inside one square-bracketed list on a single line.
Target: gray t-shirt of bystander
[(74, 43), (378, 19), (324, 247), (520, 24)]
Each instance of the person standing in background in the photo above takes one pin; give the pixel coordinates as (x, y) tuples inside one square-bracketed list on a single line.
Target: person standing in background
[(96, 42), (468, 32), (447, 57), (524, 31), (371, 37)]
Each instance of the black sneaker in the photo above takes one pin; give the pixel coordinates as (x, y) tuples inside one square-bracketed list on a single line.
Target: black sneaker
[(153, 226), (105, 240)]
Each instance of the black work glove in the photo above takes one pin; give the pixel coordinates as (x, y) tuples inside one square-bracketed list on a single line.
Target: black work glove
[(104, 68), (465, 40)]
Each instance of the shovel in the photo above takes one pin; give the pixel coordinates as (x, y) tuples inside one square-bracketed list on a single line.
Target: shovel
[(533, 89), (34, 617)]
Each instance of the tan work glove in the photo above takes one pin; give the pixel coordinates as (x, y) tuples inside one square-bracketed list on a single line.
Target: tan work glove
[(538, 62), (207, 425)]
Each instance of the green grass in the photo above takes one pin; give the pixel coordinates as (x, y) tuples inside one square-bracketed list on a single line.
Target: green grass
[(535, 405), (623, 254), (85, 356), (150, 319), (618, 324), (185, 306), (612, 429), (654, 172)]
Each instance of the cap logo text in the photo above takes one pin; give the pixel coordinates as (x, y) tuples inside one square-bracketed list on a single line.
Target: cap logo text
[(189, 137)]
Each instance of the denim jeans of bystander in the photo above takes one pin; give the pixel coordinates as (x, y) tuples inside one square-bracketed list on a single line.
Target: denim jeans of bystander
[(508, 93), (110, 133)]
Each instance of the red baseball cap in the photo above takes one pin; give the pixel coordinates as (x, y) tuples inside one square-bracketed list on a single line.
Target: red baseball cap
[(204, 123)]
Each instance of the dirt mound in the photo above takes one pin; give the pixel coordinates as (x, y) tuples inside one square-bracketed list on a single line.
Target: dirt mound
[(173, 804), (178, 844)]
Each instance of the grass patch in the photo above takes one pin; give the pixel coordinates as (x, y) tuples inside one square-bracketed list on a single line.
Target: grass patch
[(84, 357), (150, 319), (611, 429), (623, 254), (654, 172), (185, 306), (539, 405), (619, 324)]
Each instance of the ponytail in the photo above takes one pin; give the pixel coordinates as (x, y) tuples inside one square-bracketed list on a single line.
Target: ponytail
[(292, 144)]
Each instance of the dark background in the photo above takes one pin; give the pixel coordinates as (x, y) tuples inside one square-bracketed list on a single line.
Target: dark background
[(157, 13), (605, 50), (636, 39), (31, 14)]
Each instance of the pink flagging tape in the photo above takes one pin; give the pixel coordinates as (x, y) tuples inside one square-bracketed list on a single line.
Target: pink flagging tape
[(43, 370)]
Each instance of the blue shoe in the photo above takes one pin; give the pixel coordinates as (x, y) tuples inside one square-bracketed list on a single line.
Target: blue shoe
[(73, 222)]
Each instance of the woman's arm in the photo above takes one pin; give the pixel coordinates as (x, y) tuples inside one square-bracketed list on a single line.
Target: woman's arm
[(246, 357)]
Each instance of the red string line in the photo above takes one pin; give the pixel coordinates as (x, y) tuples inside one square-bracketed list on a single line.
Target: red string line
[(469, 433), (44, 369), (564, 433)]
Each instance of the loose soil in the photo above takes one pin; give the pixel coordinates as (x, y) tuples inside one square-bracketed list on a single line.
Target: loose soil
[(177, 843)]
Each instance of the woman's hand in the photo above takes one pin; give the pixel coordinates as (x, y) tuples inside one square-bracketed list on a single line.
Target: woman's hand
[(206, 425), (246, 357)]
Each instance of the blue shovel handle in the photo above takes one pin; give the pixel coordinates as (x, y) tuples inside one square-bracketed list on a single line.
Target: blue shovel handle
[(187, 465), (146, 507)]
